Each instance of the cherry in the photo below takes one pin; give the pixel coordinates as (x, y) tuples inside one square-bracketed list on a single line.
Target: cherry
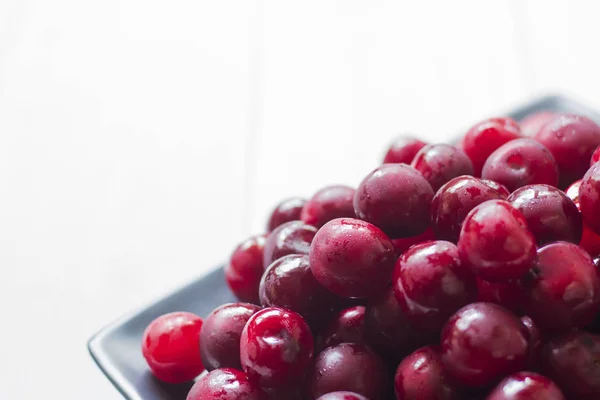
[(290, 238), (495, 242), (342, 396), (497, 186), (403, 150), (589, 198), (349, 366), (595, 157), (348, 326), (352, 258), (276, 347), (396, 198), (286, 211), (590, 241), (245, 268), (521, 162), (510, 294), (388, 329), (485, 137), (171, 347), (551, 215), (225, 384), (431, 284), (534, 122), (454, 201), (289, 283), (483, 342), (563, 288), (572, 140), (526, 386), (438, 163), (421, 376), (220, 335), (403, 244), (329, 203), (573, 362)]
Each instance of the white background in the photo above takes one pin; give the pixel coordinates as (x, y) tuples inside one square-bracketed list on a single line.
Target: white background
[(141, 140)]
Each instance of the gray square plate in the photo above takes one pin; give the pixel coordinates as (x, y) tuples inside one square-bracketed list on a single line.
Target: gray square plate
[(116, 348)]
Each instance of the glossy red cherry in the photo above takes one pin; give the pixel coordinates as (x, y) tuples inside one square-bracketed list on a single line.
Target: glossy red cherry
[(495, 242), (454, 201), (403, 150), (245, 268), (342, 396), (510, 294), (590, 241), (421, 376), (276, 348), (292, 237), (171, 347), (395, 198), (349, 366), (329, 203), (352, 258), (483, 342), (534, 122), (521, 162), (526, 386), (348, 326), (403, 244), (431, 284), (572, 140), (551, 215), (289, 283), (589, 198), (220, 335), (225, 384), (438, 163), (573, 362), (286, 211), (563, 288), (485, 137)]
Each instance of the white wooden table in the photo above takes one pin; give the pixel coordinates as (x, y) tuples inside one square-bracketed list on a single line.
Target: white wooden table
[(141, 140)]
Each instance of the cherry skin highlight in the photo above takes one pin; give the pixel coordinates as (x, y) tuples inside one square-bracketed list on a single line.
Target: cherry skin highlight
[(352, 258), (225, 384), (245, 268), (589, 198), (403, 150), (276, 348), (495, 242), (438, 163), (329, 203), (395, 198), (595, 157), (497, 186), (171, 347), (521, 162), (526, 386), (342, 396), (220, 335), (483, 342), (290, 238), (286, 211)]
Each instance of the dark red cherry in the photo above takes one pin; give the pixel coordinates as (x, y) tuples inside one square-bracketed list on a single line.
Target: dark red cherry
[(403, 244), (329, 203), (276, 348), (352, 258), (171, 347), (563, 288), (526, 386), (438, 163), (225, 384), (220, 335), (521, 162), (454, 201), (589, 198), (395, 198), (289, 283), (485, 137), (573, 362), (595, 157), (348, 326), (342, 396), (534, 122), (495, 242), (286, 211), (431, 284), (349, 366), (551, 215), (483, 342), (572, 140), (245, 268), (403, 150), (421, 376), (292, 237), (510, 294)]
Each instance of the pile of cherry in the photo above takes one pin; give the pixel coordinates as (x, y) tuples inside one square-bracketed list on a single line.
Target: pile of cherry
[(452, 272)]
